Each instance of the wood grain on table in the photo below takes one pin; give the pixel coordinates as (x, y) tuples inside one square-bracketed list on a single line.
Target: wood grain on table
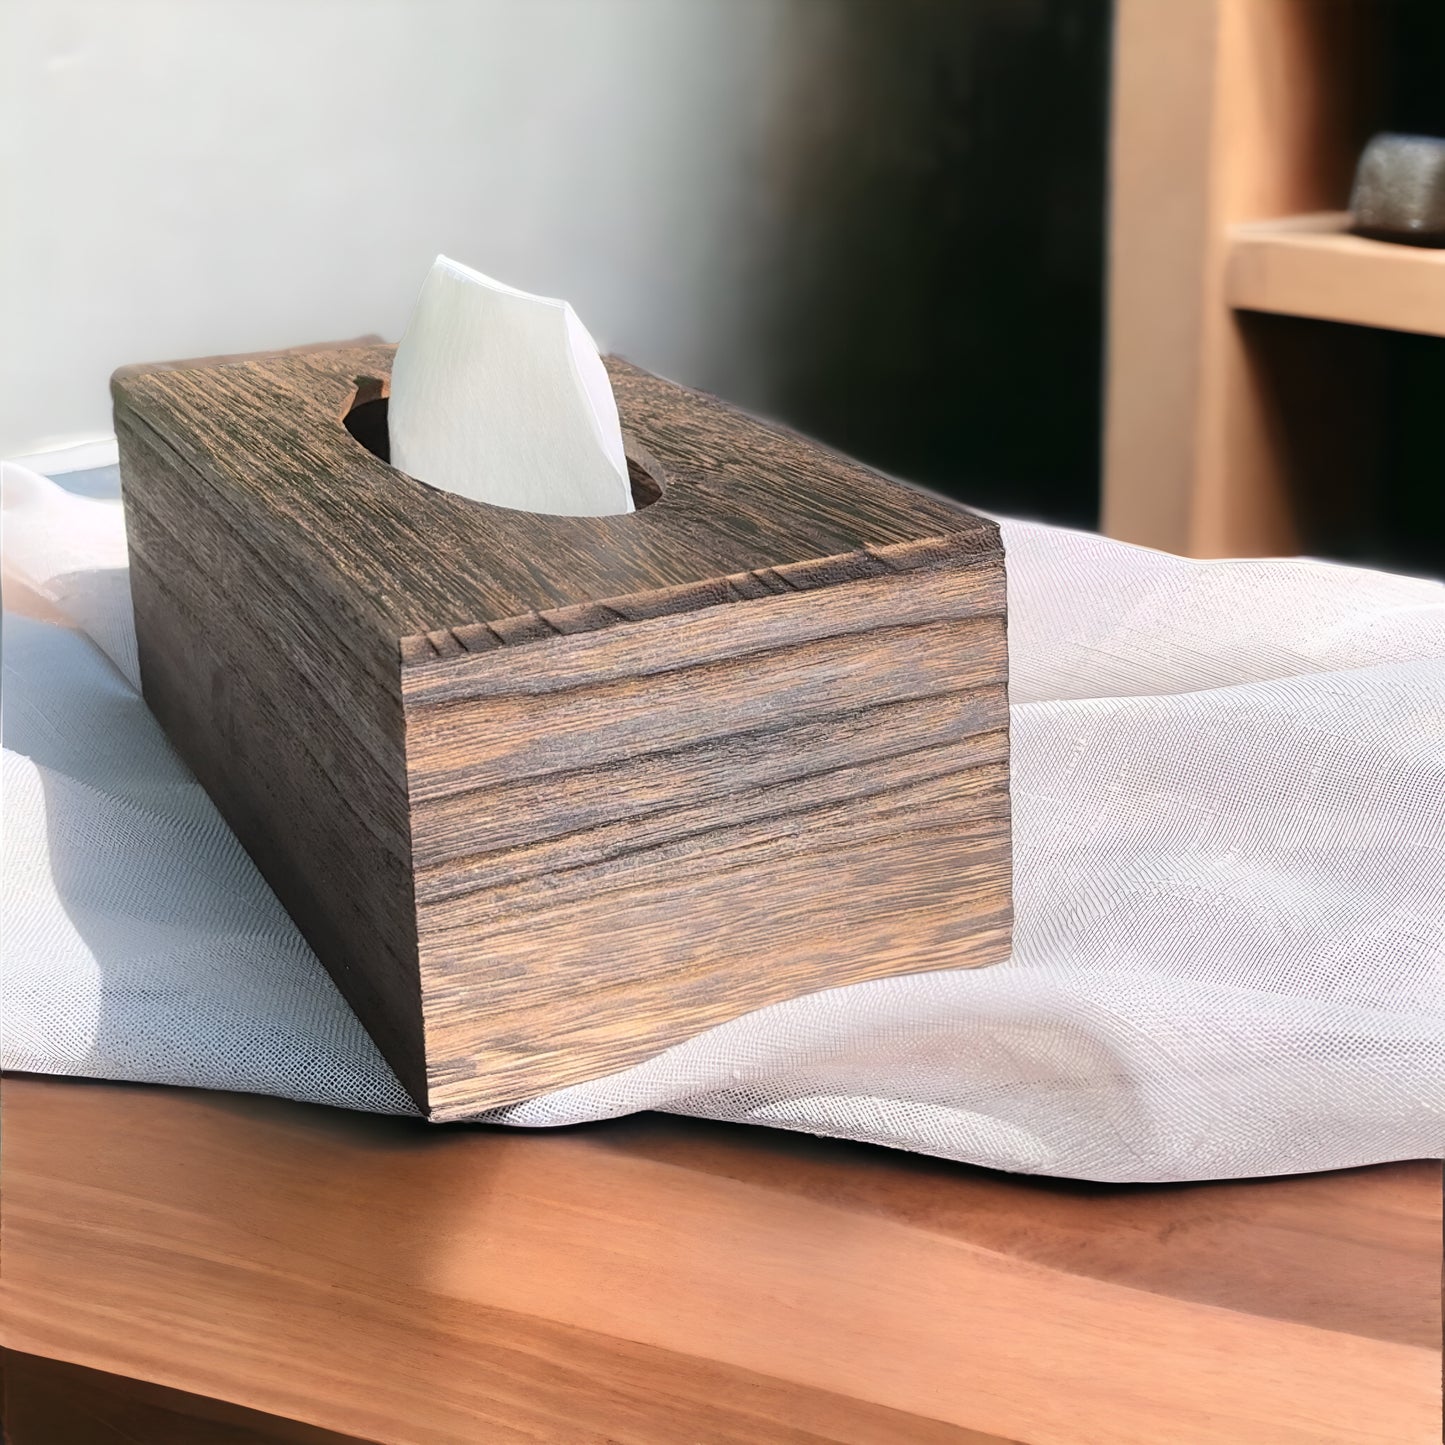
[(665, 1280)]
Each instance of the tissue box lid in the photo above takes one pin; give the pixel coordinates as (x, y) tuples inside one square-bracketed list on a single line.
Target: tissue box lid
[(266, 436)]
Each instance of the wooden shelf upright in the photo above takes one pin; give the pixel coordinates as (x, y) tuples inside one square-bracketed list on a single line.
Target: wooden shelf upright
[(1241, 419)]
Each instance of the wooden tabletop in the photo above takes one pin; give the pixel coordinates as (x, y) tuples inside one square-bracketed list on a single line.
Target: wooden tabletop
[(666, 1280)]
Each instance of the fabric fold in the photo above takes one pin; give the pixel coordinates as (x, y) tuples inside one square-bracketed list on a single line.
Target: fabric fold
[(1229, 793)]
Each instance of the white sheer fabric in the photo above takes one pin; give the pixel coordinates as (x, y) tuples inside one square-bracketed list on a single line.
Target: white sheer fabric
[(1229, 790)]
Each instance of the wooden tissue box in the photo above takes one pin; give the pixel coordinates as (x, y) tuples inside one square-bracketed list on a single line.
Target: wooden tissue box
[(547, 794)]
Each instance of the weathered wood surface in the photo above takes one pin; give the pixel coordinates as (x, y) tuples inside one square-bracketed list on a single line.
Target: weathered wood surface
[(654, 1280), (548, 794)]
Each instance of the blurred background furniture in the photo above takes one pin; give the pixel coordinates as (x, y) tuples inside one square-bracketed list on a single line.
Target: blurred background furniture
[(1258, 402), (883, 222), (653, 1279)]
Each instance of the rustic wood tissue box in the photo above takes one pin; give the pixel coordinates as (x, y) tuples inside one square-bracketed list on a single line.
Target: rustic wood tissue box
[(548, 794)]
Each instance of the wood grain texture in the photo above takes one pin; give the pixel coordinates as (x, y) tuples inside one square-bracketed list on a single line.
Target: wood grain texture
[(699, 814), (652, 1280), (548, 794)]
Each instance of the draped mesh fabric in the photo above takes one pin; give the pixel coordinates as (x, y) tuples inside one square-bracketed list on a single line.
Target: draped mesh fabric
[(1229, 795)]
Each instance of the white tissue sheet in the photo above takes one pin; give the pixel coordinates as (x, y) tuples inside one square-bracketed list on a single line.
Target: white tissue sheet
[(1229, 792), (502, 397)]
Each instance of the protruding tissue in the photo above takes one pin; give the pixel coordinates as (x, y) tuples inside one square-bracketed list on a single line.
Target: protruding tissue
[(502, 397)]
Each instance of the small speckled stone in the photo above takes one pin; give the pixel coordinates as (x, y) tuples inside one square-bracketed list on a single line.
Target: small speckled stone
[(1399, 192)]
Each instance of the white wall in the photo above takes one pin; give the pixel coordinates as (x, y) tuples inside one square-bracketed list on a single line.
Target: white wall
[(184, 177)]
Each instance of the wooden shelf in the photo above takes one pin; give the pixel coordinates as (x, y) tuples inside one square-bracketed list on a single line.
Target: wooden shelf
[(1310, 266), (1230, 433)]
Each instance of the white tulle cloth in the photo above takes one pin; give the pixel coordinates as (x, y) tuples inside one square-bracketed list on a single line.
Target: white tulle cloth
[(1229, 794)]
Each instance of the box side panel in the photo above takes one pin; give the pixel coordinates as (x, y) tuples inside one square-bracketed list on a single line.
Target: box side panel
[(624, 837), (294, 731)]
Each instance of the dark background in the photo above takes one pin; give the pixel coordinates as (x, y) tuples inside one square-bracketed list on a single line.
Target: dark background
[(937, 277), (1410, 532), (943, 248)]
